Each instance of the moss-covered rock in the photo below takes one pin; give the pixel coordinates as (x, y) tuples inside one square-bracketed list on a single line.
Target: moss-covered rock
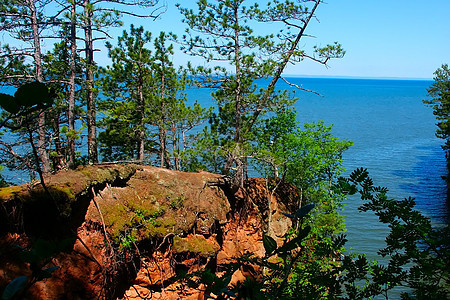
[(196, 245), (157, 202), (60, 205), (164, 221)]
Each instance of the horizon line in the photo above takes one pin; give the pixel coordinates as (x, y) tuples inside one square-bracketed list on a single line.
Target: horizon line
[(358, 77)]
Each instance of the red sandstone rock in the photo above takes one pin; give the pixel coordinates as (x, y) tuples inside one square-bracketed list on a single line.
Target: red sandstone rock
[(138, 233)]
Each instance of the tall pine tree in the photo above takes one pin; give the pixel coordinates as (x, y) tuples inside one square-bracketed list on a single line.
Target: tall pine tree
[(221, 32)]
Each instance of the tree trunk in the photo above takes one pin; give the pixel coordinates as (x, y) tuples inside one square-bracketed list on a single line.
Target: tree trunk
[(71, 104), (41, 149), (162, 142), (235, 156), (141, 130), (58, 159), (175, 146), (162, 130), (90, 97)]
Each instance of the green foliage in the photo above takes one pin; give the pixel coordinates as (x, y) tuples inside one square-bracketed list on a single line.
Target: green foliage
[(28, 98), (305, 267), (13, 67), (276, 267), (15, 287), (128, 240), (3, 182), (145, 109), (125, 85), (20, 115), (221, 32), (58, 71), (309, 158), (418, 253), (439, 92)]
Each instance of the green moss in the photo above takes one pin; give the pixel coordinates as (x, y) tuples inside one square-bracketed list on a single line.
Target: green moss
[(169, 222), (99, 175), (10, 192), (194, 244), (158, 227), (144, 219), (176, 202), (116, 219)]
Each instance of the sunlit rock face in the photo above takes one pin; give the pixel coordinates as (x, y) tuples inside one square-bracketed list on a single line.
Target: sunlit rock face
[(129, 231)]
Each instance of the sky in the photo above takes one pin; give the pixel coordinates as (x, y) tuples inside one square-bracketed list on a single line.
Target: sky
[(382, 38)]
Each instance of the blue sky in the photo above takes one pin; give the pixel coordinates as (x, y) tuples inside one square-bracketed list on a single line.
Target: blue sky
[(382, 38), (385, 38)]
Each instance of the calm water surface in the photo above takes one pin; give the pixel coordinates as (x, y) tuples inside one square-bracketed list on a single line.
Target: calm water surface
[(394, 138)]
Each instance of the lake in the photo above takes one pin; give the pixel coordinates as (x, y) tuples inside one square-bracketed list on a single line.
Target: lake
[(394, 138)]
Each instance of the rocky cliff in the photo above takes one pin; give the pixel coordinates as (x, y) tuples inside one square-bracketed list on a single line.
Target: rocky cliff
[(128, 231)]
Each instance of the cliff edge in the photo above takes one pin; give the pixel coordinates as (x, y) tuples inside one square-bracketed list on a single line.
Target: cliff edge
[(129, 231)]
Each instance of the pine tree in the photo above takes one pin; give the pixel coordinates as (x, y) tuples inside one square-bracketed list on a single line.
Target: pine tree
[(440, 101), (221, 31), (145, 107), (126, 86), (97, 16), (25, 23)]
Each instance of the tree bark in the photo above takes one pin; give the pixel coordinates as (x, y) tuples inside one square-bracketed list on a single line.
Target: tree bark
[(41, 145), (164, 162), (58, 159), (71, 104), (90, 97), (141, 131), (234, 157)]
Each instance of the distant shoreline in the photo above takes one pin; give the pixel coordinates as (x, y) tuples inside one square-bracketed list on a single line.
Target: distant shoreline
[(356, 77), (10, 90)]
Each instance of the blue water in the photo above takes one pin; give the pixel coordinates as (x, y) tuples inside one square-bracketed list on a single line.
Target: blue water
[(392, 130), (394, 138), (393, 134)]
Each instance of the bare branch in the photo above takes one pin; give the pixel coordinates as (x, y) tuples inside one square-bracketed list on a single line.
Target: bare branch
[(282, 66), (300, 87)]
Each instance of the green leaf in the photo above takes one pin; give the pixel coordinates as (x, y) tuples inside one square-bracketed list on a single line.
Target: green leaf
[(304, 232), (34, 93), (291, 245), (289, 215), (8, 103), (15, 286), (270, 245), (272, 266), (304, 210), (295, 242), (30, 257), (47, 273), (43, 248)]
